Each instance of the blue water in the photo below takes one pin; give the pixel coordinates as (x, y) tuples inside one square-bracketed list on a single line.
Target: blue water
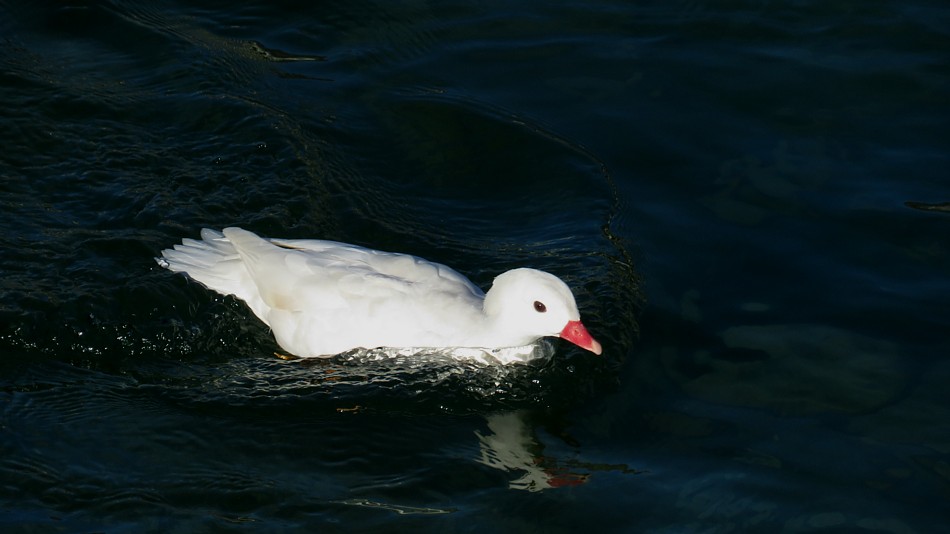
[(750, 200)]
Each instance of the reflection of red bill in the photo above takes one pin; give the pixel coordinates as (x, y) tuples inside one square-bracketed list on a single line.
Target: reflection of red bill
[(578, 335), (564, 479)]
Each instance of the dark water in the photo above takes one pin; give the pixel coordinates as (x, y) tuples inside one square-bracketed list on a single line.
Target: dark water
[(749, 198)]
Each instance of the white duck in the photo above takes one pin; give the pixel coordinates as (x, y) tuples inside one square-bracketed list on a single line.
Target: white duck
[(322, 298)]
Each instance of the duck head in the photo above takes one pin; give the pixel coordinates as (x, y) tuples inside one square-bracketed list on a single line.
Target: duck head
[(534, 304)]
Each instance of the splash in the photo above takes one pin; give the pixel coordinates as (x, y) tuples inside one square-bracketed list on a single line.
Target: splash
[(427, 356)]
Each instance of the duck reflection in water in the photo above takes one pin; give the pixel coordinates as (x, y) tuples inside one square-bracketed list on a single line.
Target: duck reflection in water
[(511, 445)]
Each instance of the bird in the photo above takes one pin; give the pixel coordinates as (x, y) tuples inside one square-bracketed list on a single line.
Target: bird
[(324, 298)]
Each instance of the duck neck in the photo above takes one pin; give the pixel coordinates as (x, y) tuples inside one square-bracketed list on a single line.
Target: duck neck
[(497, 330)]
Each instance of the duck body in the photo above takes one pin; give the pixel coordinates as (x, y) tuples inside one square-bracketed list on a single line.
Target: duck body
[(321, 298)]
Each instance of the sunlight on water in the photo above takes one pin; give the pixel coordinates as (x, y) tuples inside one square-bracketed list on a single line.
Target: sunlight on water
[(399, 509), (424, 357)]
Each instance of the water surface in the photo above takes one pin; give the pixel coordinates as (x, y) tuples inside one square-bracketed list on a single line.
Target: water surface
[(748, 199)]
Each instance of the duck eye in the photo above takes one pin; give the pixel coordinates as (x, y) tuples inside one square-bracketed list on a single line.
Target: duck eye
[(540, 307)]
